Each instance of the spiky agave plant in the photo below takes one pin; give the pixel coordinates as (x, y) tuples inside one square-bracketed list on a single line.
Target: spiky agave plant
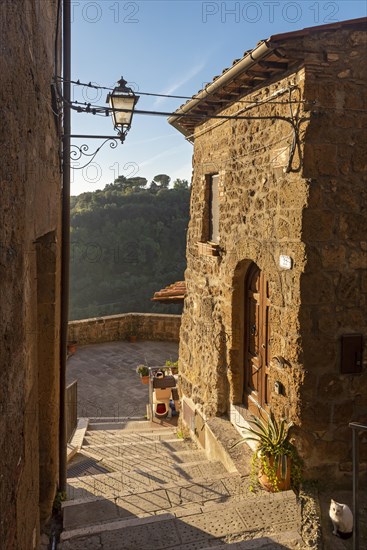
[(273, 446)]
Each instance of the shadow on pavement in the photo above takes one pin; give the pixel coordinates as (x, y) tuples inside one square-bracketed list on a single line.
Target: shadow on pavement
[(161, 531)]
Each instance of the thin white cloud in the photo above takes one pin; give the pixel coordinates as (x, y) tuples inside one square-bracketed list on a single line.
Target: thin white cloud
[(188, 76), (184, 171), (156, 138), (165, 153)]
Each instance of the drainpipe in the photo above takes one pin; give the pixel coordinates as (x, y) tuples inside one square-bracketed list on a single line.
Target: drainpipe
[(245, 63), (65, 238)]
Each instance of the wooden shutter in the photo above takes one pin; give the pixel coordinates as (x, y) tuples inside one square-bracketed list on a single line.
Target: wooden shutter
[(214, 209)]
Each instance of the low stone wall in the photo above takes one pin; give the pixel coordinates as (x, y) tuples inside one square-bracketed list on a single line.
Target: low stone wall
[(145, 326)]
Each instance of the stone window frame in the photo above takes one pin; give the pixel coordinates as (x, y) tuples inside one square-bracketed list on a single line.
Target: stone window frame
[(213, 184), (206, 245)]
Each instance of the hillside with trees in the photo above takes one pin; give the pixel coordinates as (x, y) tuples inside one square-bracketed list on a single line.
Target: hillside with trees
[(127, 241)]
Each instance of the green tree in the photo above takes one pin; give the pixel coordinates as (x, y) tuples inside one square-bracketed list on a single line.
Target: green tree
[(137, 182), (180, 184), (162, 180), (127, 184), (118, 184), (126, 243)]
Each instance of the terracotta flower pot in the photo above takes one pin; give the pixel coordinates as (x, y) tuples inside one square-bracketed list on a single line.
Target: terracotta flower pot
[(132, 338), (71, 347), (144, 379), (283, 483)]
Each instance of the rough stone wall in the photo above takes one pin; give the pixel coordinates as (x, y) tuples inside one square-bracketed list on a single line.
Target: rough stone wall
[(314, 213), (260, 218), (111, 328), (334, 230), (29, 262)]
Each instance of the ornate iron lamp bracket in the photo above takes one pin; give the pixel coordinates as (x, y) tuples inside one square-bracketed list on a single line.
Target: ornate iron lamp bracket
[(77, 152)]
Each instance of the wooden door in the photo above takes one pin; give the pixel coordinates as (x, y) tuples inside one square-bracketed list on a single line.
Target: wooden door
[(257, 337)]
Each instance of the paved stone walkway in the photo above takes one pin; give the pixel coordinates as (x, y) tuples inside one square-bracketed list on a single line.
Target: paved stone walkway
[(134, 477), (137, 486), (108, 385)]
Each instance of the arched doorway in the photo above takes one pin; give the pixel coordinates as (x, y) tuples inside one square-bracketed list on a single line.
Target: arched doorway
[(256, 340)]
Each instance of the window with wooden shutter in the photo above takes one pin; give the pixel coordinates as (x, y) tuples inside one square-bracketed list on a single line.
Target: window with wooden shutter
[(208, 245), (214, 209)]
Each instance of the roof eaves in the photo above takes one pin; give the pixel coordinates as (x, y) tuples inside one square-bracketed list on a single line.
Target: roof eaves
[(249, 60), (319, 28)]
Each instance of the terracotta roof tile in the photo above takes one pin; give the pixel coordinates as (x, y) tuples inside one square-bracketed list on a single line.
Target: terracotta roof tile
[(174, 293)]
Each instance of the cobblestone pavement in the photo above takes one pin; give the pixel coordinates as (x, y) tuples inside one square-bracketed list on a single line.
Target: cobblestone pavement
[(108, 385)]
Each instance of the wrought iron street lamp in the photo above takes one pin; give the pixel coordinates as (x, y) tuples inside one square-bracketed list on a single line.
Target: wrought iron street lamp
[(122, 101)]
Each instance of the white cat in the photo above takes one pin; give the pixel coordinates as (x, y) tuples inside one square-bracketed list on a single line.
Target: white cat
[(342, 519)]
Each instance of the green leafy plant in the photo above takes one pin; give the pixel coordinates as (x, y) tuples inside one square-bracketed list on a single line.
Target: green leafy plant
[(60, 497), (173, 365), (274, 452), (142, 370), (183, 433)]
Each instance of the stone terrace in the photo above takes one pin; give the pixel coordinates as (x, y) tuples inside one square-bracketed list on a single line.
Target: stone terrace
[(108, 385)]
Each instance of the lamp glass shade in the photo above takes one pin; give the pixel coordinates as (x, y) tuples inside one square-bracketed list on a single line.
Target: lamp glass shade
[(127, 102)]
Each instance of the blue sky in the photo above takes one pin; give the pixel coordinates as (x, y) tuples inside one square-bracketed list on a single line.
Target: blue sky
[(171, 47)]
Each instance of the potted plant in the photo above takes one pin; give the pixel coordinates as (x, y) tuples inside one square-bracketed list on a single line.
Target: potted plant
[(173, 366), (275, 461), (143, 372), (131, 330), (131, 335), (71, 347)]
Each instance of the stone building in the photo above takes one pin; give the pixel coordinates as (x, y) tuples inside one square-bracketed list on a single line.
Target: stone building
[(275, 315), (30, 187)]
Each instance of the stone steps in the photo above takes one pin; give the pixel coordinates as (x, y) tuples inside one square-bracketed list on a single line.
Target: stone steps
[(260, 518), (114, 419), (134, 426), (166, 445), (118, 485), (161, 492), (153, 457), (103, 437), (137, 478), (178, 499)]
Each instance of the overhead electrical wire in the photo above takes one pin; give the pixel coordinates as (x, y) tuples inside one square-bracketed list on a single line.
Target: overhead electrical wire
[(255, 102), (226, 162), (293, 119), (97, 109), (244, 109), (96, 87)]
